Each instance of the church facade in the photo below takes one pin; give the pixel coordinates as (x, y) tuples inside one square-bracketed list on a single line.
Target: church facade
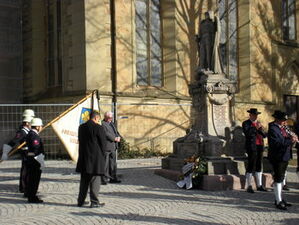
[(142, 56)]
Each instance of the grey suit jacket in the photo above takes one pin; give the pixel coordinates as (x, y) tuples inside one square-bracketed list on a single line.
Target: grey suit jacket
[(111, 134)]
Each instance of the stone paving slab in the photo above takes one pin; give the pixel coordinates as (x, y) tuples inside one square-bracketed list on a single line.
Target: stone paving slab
[(142, 198)]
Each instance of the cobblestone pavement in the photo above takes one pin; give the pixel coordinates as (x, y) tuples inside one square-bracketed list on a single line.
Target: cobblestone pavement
[(142, 198)]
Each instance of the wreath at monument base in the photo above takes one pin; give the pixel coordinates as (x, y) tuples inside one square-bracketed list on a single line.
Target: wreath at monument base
[(193, 170)]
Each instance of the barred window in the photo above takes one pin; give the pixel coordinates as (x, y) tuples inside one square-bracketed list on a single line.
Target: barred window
[(148, 42), (288, 19), (227, 10)]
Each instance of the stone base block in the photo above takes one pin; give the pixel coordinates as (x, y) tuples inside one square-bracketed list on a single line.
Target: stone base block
[(217, 182), (169, 174), (230, 182), (172, 163)]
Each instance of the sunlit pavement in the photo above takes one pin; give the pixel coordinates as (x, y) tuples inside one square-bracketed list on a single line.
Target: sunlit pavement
[(141, 198)]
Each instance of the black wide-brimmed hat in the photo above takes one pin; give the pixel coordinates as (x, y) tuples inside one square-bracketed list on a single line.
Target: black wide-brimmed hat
[(253, 111), (280, 115)]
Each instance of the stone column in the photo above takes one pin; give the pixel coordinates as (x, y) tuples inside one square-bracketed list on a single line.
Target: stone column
[(214, 136)]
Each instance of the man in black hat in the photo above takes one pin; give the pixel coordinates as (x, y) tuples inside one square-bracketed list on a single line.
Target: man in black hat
[(254, 145), (279, 154)]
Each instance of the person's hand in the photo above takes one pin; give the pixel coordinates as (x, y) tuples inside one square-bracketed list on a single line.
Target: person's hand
[(259, 126), (294, 139), (117, 139)]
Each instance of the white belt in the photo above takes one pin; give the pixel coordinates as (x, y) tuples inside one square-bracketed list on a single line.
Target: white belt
[(30, 154)]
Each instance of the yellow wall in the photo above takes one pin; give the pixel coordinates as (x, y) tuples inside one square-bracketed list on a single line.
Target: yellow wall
[(264, 62), (263, 76)]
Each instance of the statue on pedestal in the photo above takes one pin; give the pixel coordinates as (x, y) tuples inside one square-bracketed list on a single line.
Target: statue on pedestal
[(208, 44)]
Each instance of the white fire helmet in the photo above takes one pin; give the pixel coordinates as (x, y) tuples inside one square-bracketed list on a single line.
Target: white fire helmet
[(28, 112), (27, 119), (35, 122)]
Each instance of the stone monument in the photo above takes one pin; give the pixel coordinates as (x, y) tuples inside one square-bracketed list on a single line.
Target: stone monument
[(214, 134)]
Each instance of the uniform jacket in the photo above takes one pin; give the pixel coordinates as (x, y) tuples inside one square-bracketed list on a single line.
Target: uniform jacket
[(250, 135), (20, 137), (92, 146), (35, 147), (111, 134), (279, 146)]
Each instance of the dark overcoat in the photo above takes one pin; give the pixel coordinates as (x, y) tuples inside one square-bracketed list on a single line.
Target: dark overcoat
[(279, 146), (250, 133), (92, 147), (111, 134)]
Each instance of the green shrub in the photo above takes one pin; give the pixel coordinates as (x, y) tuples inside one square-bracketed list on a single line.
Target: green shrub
[(125, 151)]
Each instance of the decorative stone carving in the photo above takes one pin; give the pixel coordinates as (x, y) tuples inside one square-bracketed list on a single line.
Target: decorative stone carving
[(213, 135)]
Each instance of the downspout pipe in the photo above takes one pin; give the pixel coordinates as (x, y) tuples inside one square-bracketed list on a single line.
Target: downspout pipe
[(113, 59)]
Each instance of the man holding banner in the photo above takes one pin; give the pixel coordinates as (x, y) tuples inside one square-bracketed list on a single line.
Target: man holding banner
[(91, 161)]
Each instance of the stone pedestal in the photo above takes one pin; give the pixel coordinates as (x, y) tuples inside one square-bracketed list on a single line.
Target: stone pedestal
[(214, 135)]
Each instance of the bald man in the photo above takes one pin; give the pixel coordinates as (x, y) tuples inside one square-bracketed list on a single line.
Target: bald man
[(112, 141)]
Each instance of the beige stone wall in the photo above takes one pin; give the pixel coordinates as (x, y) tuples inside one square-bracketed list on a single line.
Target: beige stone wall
[(73, 46), (153, 124), (97, 45), (266, 63), (35, 50), (265, 60)]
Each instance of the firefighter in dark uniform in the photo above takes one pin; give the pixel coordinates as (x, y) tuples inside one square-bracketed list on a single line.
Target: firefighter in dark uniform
[(279, 154), (17, 140), (34, 160)]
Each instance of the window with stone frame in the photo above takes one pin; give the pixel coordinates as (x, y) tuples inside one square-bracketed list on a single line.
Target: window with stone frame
[(54, 58), (288, 19), (148, 43), (228, 46)]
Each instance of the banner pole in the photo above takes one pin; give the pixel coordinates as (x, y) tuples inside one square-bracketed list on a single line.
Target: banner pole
[(14, 150)]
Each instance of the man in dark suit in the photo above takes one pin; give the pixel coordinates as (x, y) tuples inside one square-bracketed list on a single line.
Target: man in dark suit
[(91, 161), (296, 129), (279, 154), (254, 145), (112, 140)]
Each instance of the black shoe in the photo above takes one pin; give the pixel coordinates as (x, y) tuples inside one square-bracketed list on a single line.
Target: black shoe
[(285, 188), (104, 183), (25, 195), (97, 205), (261, 188), (35, 200), (115, 181), (281, 206), (286, 204), (250, 190), (84, 203)]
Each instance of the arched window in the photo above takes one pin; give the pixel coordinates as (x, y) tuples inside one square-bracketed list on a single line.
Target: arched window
[(227, 10), (288, 19), (148, 42)]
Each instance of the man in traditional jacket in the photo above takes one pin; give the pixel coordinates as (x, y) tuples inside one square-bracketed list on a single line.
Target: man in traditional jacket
[(91, 161), (279, 154), (254, 145)]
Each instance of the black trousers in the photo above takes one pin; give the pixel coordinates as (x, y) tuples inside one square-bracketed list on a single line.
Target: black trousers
[(110, 165), (255, 160), (33, 178), (279, 170), (23, 176), (93, 183), (297, 147)]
